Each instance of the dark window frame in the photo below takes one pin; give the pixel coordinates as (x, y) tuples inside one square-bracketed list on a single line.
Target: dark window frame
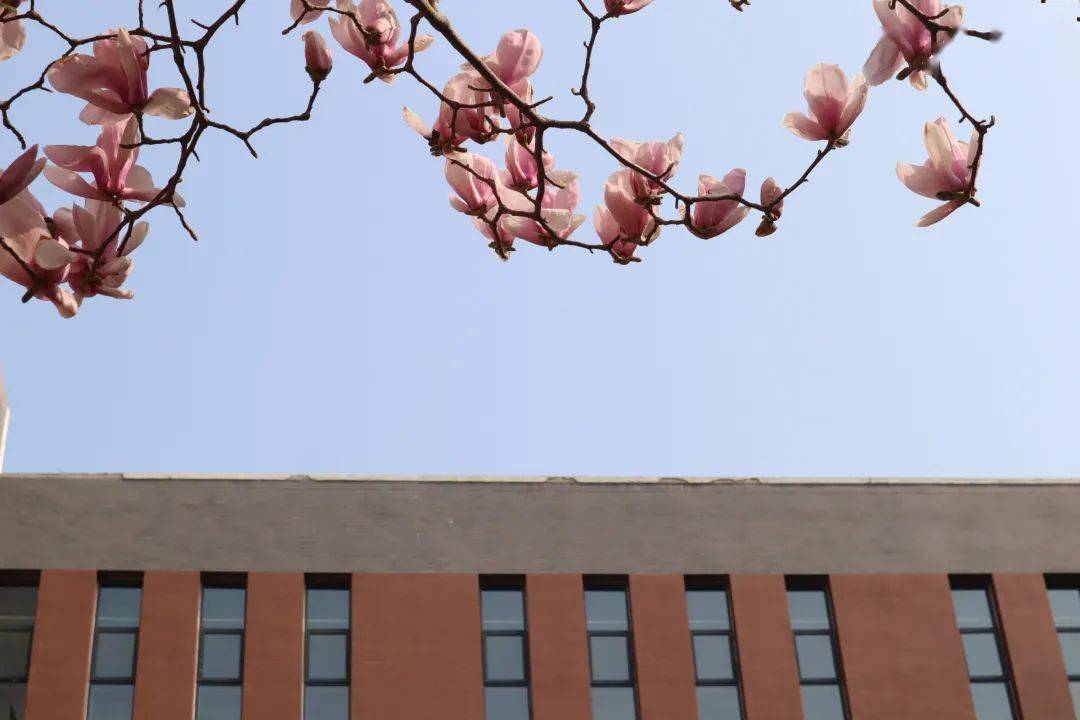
[(327, 582), (22, 579), (514, 583), (116, 580), (1070, 583), (699, 583), (985, 584), (820, 583), (221, 581), (619, 583)]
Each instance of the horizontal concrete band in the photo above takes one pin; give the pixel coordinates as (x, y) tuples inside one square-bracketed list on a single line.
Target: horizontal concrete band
[(669, 526)]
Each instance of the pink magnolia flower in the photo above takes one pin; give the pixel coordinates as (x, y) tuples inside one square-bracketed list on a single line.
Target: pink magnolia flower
[(319, 59), (298, 11), (468, 123), (377, 40), (113, 82), (611, 235), (659, 158), (947, 173), (517, 57), (907, 40), (502, 239), (472, 177), (624, 7), (101, 269), (29, 245), (834, 105), (770, 193), (521, 171), (22, 171), (634, 220), (12, 32), (713, 217), (561, 196)]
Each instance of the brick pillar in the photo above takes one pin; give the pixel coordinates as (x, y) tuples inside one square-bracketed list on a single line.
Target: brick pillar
[(1042, 687), (662, 649), (416, 647), (770, 674), (168, 642), (63, 640), (558, 650), (274, 647), (901, 649)]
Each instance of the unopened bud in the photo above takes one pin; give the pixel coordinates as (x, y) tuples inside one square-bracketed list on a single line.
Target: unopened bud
[(320, 61)]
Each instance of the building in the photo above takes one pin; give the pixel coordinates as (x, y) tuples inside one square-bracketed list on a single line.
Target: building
[(169, 597)]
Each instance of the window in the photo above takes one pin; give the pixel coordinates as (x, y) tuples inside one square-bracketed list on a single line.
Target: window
[(815, 649), (116, 640), (607, 621), (221, 648), (715, 664), (990, 686), (505, 645), (18, 602), (326, 671), (1065, 604)]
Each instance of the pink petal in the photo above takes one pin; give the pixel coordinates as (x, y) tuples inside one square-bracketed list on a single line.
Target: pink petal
[(170, 103), (939, 213), (884, 62), (804, 127), (73, 183)]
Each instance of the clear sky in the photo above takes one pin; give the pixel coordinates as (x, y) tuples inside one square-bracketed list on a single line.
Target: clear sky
[(338, 317)]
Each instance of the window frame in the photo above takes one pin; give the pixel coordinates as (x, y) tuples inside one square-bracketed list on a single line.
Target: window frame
[(22, 580), (1072, 584), (698, 583), (819, 583), (220, 581), (108, 581), (986, 585), (327, 582), (513, 583), (621, 584)]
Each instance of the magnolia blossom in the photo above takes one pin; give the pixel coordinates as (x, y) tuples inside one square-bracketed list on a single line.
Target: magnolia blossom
[(472, 177), (502, 237), (770, 193), (27, 244), (713, 217), (101, 269), (22, 171), (659, 158), (113, 82), (517, 57), (521, 171), (468, 123), (12, 32), (634, 219), (301, 13), (624, 7), (611, 235), (377, 40), (907, 40), (561, 196), (947, 173), (834, 105), (116, 176), (319, 59)]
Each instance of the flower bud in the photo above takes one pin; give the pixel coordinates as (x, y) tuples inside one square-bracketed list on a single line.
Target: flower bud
[(320, 61)]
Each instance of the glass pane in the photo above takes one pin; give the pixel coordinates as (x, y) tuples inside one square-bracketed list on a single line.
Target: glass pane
[(610, 658), (326, 703), (1066, 607), (808, 610), (613, 703), (606, 610), (328, 609), (220, 656), (504, 656), (12, 698), (1070, 647), (718, 703), (506, 703), (110, 702), (712, 657), (991, 701), (223, 608), (815, 657), (1074, 688), (114, 655), (503, 609), (218, 702), (119, 607), (17, 606), (14, 653), (972, 609), (822, 702), (326, 657), (981, 651), (708, 610)]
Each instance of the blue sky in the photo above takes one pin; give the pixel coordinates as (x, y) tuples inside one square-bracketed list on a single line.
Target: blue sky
[(338, 317)]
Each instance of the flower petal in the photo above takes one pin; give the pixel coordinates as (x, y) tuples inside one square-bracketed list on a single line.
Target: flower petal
[(170, 103)]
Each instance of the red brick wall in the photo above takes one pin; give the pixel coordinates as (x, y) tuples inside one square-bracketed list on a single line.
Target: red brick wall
[(770, 673), (168, 642), (274, 646), (558, 650), (665, 660)]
